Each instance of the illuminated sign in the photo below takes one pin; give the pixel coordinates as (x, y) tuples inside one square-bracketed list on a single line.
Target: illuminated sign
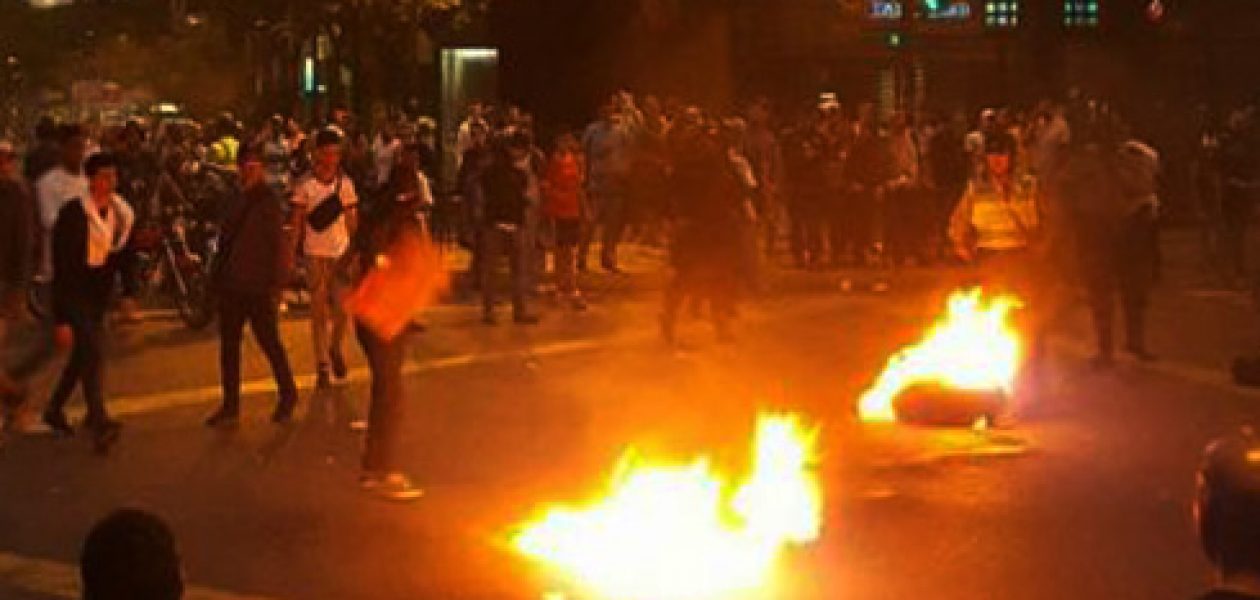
[(1001, 13), (939, 10), (1080, 13), (308, 75), (887, 10)]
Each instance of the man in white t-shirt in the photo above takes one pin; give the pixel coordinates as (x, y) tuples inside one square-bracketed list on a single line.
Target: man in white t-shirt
[(57, 186), (384, 154), (324, 249)]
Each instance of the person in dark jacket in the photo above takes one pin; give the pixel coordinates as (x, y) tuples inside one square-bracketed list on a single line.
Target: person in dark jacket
[(705, 248), (509, 186), (17, 249), (1114, 236), (253, 267), (1239, 162), (85, 235), (1227, 512), (45, 153)]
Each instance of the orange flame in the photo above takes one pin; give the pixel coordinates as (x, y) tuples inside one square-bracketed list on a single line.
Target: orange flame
[(973, 347), (675, 532)]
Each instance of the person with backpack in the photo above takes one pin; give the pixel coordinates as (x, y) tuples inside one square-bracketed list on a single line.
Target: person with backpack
[(251, 269)]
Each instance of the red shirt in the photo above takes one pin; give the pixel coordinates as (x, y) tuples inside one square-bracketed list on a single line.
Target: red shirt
[(562, 187)]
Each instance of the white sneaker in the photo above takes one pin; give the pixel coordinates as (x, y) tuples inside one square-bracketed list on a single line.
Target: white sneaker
[(396, 486)]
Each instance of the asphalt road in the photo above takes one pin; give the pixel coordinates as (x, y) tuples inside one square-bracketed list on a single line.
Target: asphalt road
[(1085, 497)]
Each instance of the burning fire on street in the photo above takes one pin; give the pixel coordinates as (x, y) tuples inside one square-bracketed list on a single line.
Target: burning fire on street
[(971, 356), (685, 531)]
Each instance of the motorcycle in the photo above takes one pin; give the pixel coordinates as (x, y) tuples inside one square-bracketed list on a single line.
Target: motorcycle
[(177, 249), (174, 257)]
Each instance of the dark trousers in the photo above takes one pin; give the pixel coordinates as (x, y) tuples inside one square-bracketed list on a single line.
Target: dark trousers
[(1123, 267), (852, 226), (609, 210), (128, 260), (385, 412), (85, 366), (1236, 212), (261, 312), (807, 223), (496, 243), (904, 230)]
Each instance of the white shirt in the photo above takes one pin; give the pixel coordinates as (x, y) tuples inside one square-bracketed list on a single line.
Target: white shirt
[(52, 191), (126, 219), (423, 193), (383, 154), (103, 231), (334, 241)]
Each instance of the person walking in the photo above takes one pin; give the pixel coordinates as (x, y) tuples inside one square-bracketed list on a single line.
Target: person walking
[(57, 186), (509, 187), (326, 212), (17, 249), (86, 235), (563, 205), (253, 264)]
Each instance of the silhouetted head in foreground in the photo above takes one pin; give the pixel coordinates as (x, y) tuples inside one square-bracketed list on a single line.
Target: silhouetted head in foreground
[(131, 555), (1227, 511)]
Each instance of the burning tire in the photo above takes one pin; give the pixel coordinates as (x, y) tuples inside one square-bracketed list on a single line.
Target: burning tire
[(940, 406)]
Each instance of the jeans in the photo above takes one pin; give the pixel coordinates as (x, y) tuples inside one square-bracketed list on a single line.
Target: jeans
[(86, 366), (610, 217), (261, 312), (385, 412), (328, 317), (496, 242), (1123, 267)]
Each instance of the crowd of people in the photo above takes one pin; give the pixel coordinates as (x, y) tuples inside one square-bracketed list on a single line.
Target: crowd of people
[(1059, 197), (1043, 202)]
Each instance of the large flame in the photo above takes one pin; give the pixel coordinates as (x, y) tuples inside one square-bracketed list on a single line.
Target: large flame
[(974, 348), (676, 532)]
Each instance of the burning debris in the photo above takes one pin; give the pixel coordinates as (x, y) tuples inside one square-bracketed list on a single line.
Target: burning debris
[(962, 371), (682, 532)]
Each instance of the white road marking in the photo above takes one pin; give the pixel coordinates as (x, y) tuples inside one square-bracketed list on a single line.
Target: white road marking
[(147, 403), (60, 580)]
